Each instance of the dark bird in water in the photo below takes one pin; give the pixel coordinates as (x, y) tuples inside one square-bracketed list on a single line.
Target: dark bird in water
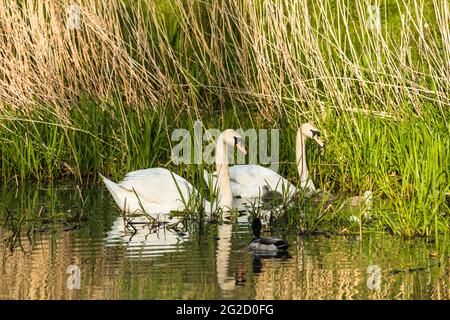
[(271, 196), (259, 244)]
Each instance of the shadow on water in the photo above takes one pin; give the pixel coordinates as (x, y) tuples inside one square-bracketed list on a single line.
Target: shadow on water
[(66, 243)]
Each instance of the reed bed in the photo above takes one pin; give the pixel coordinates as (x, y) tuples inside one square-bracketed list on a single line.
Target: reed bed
[(105, 95)]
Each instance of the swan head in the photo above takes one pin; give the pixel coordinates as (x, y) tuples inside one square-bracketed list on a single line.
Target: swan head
[(309, 131), (232, 138)]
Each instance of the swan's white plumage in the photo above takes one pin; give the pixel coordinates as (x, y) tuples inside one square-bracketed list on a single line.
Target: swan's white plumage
[(247, 181), (160, 197)]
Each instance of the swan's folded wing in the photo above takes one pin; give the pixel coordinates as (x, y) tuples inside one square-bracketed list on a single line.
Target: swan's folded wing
[(256, 176), (157, 185), (146, 173), (249, 174)]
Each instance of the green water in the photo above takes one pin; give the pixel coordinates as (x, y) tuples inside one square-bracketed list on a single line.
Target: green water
[(112, 261)]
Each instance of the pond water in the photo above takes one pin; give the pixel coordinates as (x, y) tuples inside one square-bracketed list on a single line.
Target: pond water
[(101, 258)]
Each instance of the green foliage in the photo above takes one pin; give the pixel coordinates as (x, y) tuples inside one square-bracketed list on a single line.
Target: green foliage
[(379, 97)]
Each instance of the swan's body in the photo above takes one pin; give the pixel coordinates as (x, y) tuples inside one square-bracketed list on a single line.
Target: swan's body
[(158, 190), (247, 181)]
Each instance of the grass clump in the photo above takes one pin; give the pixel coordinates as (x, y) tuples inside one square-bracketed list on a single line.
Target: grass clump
[(106, 96)]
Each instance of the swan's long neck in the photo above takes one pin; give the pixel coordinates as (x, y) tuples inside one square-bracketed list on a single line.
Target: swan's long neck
[(300, 158), (225, 201)]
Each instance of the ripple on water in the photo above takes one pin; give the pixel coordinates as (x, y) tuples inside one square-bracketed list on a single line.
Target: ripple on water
[(117, 262), (141, 242)]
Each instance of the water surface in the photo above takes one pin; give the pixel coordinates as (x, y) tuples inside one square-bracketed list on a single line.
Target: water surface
[(114, 261)]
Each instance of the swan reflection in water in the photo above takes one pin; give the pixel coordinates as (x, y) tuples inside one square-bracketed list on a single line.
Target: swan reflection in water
[(144, 240)]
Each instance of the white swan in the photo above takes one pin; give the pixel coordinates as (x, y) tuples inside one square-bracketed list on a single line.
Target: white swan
[(247, 181), (158, 190)]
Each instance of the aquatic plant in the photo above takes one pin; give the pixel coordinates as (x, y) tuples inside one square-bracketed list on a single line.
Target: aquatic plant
[(76, 100)]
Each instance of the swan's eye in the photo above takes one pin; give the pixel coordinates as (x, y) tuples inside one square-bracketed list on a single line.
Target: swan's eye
[(235, 141), (315, 133), (238, 140)]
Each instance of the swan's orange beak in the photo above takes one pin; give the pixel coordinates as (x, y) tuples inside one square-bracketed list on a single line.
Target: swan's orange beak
[(241, 148)]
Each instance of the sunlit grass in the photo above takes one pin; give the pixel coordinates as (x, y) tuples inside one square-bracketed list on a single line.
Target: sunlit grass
[(106, 98)]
